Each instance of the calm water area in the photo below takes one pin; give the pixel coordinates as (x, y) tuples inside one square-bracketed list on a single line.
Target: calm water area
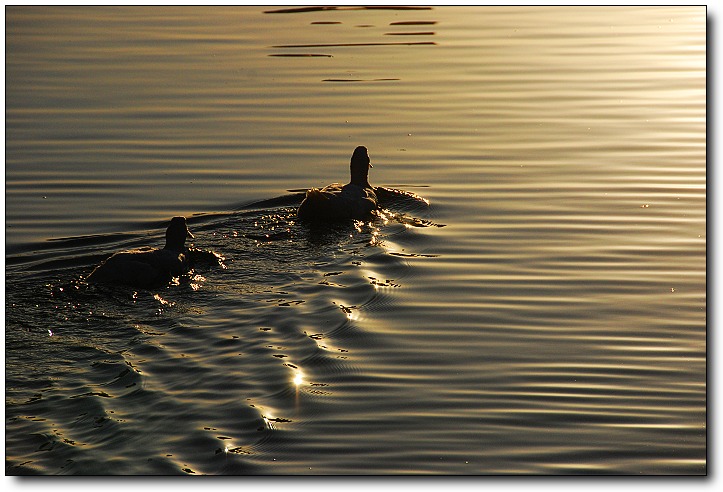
[(531, 299)]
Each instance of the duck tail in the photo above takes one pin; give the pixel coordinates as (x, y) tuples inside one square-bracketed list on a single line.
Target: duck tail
[(313, 205), (314, 193)]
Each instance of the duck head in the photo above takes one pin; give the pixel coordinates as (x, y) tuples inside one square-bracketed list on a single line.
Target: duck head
[(360, 165), (177, 233)]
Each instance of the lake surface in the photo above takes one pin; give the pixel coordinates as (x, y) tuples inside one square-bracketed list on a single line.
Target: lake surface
[(535, 303)]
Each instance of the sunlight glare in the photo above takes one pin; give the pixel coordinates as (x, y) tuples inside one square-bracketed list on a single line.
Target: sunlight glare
[(298, 379)]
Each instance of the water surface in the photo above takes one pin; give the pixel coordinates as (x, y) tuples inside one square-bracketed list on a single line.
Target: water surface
[(542, 310)]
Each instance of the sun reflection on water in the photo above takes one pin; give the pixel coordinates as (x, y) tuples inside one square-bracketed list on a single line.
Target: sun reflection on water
[(298, 379)]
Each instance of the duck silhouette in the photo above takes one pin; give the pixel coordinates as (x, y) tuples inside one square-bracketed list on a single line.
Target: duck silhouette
[(355, 200), (148, 267)]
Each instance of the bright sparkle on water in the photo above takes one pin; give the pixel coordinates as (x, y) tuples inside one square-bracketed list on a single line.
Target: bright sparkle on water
[(298, 379)]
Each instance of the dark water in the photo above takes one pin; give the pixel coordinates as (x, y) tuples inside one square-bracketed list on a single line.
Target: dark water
[(535, 303)]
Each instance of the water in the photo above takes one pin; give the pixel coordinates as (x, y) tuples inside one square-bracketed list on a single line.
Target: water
[(542, 312)]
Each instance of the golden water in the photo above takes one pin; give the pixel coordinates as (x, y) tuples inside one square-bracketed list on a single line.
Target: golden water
[(556, 323)]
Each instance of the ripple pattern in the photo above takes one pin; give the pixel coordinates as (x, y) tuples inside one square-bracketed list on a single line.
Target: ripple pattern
[(530, 300)]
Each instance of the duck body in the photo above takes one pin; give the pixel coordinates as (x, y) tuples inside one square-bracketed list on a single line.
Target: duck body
[(147, 267), (355, 200), (338, 202)]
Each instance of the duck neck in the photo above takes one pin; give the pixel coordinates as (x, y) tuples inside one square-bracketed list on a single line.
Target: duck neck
[(175, 241), (363, 182), (360, 175), (174, 247)]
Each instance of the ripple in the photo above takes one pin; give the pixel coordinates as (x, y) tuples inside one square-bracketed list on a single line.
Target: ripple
[(332, 45), (535, 303), (358, 80), (302, 10), (302, 55), (418, 33)]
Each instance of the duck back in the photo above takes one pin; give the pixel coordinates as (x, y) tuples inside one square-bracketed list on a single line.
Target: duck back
[(140, 268), (337, 202)]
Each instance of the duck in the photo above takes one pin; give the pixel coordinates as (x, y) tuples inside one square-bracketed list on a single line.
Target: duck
[(354, 200), (148, 267)]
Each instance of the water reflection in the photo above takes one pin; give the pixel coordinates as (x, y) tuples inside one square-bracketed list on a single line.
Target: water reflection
[(301, 55), (413, 23), (420, 33), (555, 324), (301, 10), (330, 45), (360, 80)]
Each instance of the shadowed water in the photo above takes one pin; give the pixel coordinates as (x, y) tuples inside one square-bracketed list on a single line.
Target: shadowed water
[(531, 299)]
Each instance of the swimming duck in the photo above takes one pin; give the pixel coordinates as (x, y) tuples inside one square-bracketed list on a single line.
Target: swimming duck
[(148, 267), (355, 200)]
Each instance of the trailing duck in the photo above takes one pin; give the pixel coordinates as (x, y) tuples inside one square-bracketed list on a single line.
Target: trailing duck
[(148, 267)]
